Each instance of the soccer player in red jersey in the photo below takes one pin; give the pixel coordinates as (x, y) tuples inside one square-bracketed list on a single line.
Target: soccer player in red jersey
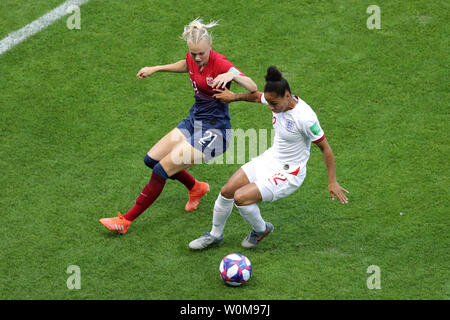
[(203, 135)]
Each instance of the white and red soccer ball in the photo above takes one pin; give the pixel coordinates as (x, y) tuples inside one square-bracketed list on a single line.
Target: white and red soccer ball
[(235, 269)]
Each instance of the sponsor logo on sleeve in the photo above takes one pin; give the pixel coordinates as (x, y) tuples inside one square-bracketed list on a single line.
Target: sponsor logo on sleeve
[(234, 70), (315, 128)]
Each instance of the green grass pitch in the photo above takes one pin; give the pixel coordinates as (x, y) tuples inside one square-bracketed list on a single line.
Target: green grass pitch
[(76, 123)]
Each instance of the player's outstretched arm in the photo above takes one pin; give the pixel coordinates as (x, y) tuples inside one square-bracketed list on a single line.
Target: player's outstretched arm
[(227, 96), (179, 67), (334, 188)]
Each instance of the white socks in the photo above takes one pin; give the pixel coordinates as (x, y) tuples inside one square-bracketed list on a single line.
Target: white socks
[(252, 215), (222, 210)]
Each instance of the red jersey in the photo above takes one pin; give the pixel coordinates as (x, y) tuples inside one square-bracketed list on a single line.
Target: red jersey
[(202, 80)]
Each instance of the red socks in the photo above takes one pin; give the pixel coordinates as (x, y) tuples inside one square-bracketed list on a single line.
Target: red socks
[(185, 178), (154, 188), (148, 195)]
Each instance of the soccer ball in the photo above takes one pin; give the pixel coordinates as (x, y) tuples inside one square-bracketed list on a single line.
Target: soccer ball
[(235, 269)]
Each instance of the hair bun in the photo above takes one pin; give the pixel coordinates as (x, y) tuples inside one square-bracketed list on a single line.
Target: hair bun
[(273, 74), (275, 82)]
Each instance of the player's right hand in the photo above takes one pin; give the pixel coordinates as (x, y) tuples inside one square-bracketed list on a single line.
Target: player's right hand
[(145, 72), (336, 190)]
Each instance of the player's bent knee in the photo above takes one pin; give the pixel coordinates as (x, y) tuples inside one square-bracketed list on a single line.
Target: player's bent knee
[(227, 192), (247, 195), (150, 162), (240, 198)]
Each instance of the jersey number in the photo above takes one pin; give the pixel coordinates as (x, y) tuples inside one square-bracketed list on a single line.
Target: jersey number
[(208, 136), (194, 85), (277, 176)]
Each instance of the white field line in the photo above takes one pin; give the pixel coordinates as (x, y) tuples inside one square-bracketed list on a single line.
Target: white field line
[(16, 37)]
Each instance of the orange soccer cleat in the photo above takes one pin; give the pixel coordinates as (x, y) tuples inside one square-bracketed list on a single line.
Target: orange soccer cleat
[(195, 194), (119, 224)]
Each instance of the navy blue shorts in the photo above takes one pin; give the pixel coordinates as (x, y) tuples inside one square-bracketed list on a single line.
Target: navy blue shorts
[(212, 137)]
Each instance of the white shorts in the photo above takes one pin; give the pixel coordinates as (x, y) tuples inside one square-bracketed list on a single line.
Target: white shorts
[(274, 180)]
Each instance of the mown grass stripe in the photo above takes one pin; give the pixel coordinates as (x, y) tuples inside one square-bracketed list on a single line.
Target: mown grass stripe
[(16, 37)]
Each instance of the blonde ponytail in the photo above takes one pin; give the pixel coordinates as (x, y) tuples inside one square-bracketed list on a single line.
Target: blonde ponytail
[(197, 31)]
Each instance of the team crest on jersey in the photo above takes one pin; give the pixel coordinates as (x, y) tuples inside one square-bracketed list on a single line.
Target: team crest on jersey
[(289, 125), (209, 81)]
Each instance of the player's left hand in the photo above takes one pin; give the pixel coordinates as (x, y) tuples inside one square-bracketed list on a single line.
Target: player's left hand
[(336, 190), (225, 96), (222, 79)]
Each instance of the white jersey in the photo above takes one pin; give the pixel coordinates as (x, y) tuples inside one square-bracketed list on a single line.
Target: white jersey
[(295, 129)]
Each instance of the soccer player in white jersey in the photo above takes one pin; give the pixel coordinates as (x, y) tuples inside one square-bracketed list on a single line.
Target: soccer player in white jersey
[(277, 172)]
